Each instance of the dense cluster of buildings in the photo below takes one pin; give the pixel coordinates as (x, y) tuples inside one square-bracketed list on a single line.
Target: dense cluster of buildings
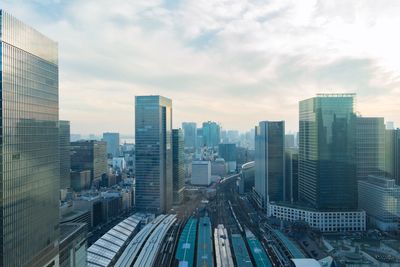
[(342, 175), (340, 172)]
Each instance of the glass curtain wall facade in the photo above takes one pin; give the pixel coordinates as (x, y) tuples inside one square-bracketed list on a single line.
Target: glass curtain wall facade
[(227, 151), (30, 156), (327, 162), (178, 169), (370, 147), (190, 134), (392, 154), (112, 140), (65, 159), (211, 134), (291, 175), (89, 155), (153, 161), (270, 161)]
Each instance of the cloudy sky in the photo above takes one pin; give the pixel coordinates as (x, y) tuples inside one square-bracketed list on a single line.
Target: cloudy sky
[(235, 62)]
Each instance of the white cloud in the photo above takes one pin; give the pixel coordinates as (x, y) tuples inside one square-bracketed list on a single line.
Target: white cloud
[(236, 62)]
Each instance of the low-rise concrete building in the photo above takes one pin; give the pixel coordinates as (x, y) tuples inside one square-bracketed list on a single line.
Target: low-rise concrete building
[(325, 221)]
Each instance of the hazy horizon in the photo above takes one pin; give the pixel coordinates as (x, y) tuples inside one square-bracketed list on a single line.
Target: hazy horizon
[(235, 63)]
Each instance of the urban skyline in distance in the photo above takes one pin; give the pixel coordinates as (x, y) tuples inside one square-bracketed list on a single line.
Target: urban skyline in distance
[(253, 60), (185, 188)]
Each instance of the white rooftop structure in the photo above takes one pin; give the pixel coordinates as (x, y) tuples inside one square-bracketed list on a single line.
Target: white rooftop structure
[(306, 263), (143, 249), (106, 249), (149, 252)]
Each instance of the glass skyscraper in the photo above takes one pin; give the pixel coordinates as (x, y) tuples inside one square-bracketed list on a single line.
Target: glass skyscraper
[(112, 140), (190, 134), (327, 161), (65, 159), (89, 155), (227, 152), (153, 160), (291, 175), (178, 170), (211, 134), (270, 161), (370, 147), (30, 160), (392, 154)]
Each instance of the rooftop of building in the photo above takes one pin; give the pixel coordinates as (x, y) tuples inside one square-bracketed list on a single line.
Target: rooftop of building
[(290, 245), (200, 162), (306, 263), (205, 245), (240, 251), (186, 244), (381, 181), (248, 165), (105, 250), (336, 94), (303, 206), (257, 251), (68, 229), (70, 215)]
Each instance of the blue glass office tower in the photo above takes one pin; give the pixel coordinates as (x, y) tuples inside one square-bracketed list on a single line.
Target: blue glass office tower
[(29, 137), (112, 140), (153, 135), (190, 134), (211, 134), (327, 162), (270, 161), (227, 152)]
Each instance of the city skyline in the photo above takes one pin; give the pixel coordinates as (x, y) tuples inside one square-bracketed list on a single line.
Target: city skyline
[(314, 195), (346, 48)]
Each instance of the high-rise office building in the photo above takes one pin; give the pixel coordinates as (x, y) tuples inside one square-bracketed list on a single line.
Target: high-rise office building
[(392, 154), (232, 136), (89, 155), (190, 134), (389, 125), (65, 159), (178, 165), (370, 147), (211, 134), (112, 140), (199, 138), (228, 153), (30, 169), (270, 161), (291, 175), (289, 141), (153, 161), (327, 162)]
